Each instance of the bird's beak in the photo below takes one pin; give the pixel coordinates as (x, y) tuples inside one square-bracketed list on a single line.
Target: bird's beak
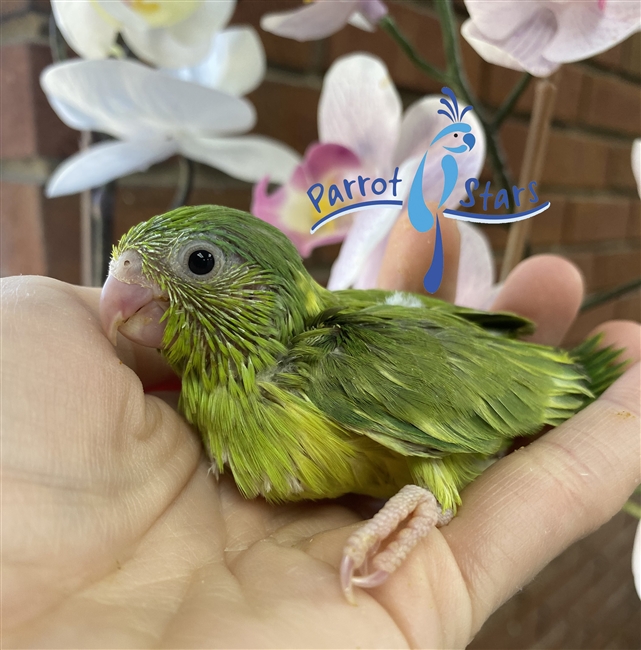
[(469, 140), (131, 303)]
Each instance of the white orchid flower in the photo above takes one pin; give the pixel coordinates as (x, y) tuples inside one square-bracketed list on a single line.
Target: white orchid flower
[(168, 34), (235, 63), (323, 18), (154, 116), (539, 35), (363, 131)]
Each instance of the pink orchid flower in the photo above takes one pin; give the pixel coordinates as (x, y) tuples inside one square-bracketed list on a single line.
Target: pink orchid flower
[(363, 131), (323, 18), (539, 35)]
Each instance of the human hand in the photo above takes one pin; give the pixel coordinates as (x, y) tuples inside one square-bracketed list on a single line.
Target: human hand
[(115, 535)]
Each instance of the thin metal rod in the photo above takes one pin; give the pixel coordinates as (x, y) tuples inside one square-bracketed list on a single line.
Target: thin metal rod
[(186, 170)]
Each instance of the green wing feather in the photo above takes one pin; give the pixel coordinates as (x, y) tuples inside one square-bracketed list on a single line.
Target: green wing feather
[(431, 382)]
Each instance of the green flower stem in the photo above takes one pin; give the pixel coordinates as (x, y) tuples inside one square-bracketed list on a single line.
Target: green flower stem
[(510, 102), (456, 70), (601, 298), (388, 24), (455, 77)]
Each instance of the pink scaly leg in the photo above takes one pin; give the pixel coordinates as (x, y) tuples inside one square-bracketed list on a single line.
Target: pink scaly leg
[(424, 513)]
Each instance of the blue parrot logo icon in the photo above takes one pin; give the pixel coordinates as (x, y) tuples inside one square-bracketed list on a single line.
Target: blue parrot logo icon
[(457, 139)]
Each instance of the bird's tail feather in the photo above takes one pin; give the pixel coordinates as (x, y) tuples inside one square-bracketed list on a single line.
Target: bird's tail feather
[(600, 364)]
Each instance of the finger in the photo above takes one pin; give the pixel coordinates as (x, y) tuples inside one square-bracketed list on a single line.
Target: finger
[(147, 363), (621, 334), (409, 253), (533, 504), (548, 290)]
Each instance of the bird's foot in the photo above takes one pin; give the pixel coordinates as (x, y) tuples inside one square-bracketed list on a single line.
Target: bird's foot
[(424, 513)]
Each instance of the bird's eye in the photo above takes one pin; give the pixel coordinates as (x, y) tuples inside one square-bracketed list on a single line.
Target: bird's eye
[(198, 261), (201, 262), (456, 135)]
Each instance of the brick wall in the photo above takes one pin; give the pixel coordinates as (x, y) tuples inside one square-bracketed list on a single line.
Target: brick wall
[(595, 220)]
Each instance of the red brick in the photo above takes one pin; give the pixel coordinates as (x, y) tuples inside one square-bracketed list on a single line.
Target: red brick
[(575, 160), (629, 307), (284, 52), (22, 245), (631, 61), (619, 167), (513, 136), (572, 159), (548, 226), (496, 234), (53, 137), (8, 7), (588, 321), (28, 125), (17, 120), (136, 204), (568, 93), (596, 220), (500, 83), (634, 224), (613, 104), (420, 27), (616, 268), (584, 261), (61, 218), (611, 58), (287, 112)]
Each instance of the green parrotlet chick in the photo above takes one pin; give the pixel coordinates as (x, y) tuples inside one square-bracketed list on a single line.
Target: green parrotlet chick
[(304, 393)]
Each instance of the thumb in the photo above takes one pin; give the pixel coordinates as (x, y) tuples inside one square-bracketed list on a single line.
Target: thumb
[(409, 254)]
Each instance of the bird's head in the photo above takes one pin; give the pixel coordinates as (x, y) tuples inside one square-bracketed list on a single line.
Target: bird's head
[(206, 279), (456, 137)]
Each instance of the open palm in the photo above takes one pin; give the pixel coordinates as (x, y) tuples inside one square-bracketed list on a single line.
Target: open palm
[(115, 535)]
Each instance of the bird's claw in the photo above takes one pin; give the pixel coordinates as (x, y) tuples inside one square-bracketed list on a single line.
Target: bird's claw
[(424, 513)]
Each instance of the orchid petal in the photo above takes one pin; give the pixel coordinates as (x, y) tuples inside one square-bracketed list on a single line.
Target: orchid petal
[(272, 208), (372, 10), (522, 50), (235, 64), (289, 208), (368, 230), (184, 44), (86, 31), (73, 117), (248, 158), (311, 22), (120, 12), (146, 15), (105, 162), (539, 35), (585, 30), (368, 277), (360, 109), (421, 123), (489, 50), (499, 20), (131, 101), (360, 22), (476, 268), (636, 163)]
